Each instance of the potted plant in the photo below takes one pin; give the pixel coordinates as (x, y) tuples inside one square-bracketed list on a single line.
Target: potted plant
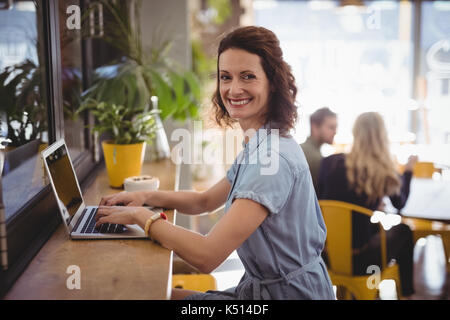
[(119, 96), (142, 72), (129, 129), (139, 74)]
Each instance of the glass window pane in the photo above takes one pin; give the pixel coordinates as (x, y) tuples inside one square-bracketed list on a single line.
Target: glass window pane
[(433, 127), (350, 58), (72, 80), (23, 101)]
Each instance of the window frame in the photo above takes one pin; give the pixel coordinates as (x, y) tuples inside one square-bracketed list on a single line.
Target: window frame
[(31, 226)]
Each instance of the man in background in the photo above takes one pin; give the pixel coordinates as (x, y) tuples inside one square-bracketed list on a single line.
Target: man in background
[(323, 129)]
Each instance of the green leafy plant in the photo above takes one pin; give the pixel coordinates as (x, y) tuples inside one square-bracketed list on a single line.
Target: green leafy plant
[(141, 73), (23, 92), (203, 66), (127, 126), (22, 102), (223, 10)]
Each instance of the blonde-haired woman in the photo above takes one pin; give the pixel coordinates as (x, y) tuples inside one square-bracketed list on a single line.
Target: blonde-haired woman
[(363, 177)]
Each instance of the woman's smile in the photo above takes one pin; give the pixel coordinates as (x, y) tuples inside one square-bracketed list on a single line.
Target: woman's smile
[(239, 103), (244, 87)]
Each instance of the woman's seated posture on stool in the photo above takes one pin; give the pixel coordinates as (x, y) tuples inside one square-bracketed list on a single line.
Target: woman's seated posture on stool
[(272, 217)]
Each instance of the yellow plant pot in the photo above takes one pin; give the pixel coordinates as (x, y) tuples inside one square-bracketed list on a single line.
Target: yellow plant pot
[(123, 161)]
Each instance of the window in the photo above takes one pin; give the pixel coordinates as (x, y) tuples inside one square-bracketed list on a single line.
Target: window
[(387, 56), (434, 74), (349, 58), (43, 71)]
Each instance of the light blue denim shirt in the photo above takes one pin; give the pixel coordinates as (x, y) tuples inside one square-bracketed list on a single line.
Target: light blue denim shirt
[(282, 257)]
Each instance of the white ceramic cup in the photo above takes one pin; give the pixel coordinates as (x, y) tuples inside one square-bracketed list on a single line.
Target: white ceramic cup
[(138, 183)]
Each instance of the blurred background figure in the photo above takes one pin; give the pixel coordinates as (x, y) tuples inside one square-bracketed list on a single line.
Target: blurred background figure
[(323, 129), (363, 177)]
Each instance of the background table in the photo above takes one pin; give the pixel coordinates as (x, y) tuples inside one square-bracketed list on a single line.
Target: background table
[(427, 210), (428, 199)]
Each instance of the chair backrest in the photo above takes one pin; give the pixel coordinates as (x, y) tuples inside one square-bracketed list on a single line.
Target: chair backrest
[(338, 220), (198, 282), (423, 169)]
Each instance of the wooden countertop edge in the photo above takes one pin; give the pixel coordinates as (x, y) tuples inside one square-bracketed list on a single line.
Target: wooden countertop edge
[(23, 290)]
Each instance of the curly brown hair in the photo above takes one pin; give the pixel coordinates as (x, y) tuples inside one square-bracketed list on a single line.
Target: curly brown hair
[(282, 110)]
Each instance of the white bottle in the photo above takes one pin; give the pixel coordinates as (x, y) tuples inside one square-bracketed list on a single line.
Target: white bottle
[(158, 148)]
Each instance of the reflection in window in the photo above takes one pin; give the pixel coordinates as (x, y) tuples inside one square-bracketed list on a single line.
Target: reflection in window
[(349, 58), (23, 102), (23, 105), (72, 81), (435, 70)]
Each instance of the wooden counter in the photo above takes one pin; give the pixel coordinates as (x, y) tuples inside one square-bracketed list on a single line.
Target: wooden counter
[(110, 269)]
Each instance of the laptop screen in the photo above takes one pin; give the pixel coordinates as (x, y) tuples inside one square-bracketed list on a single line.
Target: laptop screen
[(64, 180)]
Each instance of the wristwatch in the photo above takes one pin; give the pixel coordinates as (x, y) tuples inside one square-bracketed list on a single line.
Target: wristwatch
[(152, 219)]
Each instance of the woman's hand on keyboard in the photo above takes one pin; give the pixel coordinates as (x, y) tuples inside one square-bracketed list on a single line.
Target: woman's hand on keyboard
[(117, 215), (136, 199)]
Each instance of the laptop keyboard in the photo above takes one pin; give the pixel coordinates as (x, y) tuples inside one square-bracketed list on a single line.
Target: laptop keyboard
[(89, 226)]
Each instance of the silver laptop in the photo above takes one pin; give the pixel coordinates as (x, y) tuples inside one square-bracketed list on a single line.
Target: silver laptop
[(78, 218)]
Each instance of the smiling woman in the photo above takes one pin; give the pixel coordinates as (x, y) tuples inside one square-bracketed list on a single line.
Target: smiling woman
[(244, 88), (272, 219), (255, 60)]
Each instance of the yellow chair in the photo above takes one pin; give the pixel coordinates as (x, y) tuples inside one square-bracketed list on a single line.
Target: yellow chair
[(197, 282), (338, 220), (423, 170)]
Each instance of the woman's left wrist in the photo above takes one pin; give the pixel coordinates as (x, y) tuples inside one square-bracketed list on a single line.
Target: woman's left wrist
[(141, 215)]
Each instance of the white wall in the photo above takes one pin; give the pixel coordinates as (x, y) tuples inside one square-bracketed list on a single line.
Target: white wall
[(169, 20)]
